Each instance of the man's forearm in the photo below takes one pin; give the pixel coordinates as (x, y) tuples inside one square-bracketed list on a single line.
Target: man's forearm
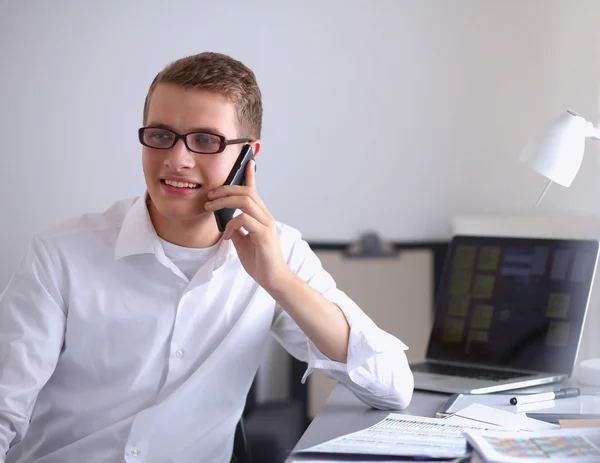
[(319, 318)]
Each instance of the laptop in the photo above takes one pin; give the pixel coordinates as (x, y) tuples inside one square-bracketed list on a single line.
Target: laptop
[(509, 314)]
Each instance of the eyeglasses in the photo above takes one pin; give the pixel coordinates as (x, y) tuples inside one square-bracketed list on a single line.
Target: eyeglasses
[(197, 142)]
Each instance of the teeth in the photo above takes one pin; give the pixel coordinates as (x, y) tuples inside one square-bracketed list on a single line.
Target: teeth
[(181, 184)]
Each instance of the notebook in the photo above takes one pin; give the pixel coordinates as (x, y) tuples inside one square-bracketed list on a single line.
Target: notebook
[(509, 314)]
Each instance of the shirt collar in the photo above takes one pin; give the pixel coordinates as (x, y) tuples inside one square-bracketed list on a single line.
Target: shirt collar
[(138, 236)]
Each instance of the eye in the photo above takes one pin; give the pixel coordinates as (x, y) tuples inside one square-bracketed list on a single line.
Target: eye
[(205, 139), (158, 138), (160, 135), (201, 142)]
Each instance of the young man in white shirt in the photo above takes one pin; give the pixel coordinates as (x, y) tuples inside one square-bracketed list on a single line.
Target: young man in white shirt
[(135, 334)]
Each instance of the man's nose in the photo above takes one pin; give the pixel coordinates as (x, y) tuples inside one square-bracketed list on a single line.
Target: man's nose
[(179, 157)]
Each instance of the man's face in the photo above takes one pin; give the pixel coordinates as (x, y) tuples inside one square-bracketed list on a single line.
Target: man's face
[(188, 110)]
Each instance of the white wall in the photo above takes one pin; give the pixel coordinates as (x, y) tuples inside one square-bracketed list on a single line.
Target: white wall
[(385, 114), (393, 115)]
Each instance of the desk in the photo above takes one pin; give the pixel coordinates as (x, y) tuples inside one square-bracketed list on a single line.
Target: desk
[(343, 413)]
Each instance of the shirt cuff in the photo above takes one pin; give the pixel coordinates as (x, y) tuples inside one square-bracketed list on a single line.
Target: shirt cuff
[(365, 342)]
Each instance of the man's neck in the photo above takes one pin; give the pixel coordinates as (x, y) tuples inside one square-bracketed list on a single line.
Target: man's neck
[(201, 232)]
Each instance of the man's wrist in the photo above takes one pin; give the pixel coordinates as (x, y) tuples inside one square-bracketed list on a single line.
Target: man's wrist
[(282, 284)]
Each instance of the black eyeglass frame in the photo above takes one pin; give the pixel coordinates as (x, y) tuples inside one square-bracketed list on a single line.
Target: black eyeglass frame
[(223, 140)]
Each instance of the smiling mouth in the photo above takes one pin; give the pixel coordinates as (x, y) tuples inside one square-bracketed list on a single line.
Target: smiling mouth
[(190, 186)]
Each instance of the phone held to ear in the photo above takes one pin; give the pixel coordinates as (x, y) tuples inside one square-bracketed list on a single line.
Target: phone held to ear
[(236, 177)]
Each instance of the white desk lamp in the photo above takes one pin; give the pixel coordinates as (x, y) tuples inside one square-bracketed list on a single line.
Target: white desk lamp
[(557, 153)]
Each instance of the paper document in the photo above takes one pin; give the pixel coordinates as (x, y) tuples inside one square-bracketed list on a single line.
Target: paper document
[(556, 446), (402, 435), (335, 460), (477, 413)]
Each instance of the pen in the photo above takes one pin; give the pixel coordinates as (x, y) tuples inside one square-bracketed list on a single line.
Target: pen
[(560, 394)]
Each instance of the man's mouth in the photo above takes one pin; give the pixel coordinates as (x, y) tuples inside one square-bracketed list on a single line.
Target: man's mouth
[(175, 184)]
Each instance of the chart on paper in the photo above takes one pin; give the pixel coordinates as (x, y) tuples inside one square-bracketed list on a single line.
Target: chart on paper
[(401, 435)]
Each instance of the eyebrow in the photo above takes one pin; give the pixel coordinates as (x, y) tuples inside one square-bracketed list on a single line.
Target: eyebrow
[(196, 129)]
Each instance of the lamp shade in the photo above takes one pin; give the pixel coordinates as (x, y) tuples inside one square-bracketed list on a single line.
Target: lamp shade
[(557, 151)]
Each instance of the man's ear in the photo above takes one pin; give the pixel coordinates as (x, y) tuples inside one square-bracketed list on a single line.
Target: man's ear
[(255, 144)]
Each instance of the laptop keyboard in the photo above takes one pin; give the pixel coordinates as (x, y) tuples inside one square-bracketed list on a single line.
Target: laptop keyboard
[(466, 372)]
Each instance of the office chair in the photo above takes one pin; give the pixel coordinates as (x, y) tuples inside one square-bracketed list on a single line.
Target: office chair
[(267, 432), (241, 451)]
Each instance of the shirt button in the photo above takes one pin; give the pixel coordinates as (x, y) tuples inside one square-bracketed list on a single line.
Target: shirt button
[(134, 453), (179, 352)]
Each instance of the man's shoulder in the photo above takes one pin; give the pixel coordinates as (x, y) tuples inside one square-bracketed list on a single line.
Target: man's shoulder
[(290, 238), (287, 232), (103, 223)]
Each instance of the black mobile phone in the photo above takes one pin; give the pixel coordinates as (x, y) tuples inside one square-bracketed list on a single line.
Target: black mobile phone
[(235, 177)]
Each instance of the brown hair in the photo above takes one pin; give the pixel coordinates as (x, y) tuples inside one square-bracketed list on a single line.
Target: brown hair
[(219, 73)]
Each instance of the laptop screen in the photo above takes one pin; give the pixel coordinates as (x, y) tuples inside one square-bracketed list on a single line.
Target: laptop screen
[(513, 302)]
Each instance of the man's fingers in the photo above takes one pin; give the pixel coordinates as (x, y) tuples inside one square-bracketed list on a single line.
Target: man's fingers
[(246, 204), (250, 175), (250, 224), (249, 189)]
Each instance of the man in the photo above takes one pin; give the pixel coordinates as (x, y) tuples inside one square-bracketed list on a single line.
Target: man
[(135, 334)]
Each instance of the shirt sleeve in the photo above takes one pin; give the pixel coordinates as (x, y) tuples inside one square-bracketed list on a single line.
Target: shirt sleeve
[(377, 369), (32, 324)]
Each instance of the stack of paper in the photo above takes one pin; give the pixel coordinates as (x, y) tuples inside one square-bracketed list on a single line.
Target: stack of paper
[(493, 417), (341, 459), (402, 435), (415, 436)]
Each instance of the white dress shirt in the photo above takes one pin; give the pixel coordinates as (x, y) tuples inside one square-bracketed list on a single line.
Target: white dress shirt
[(109, 353)]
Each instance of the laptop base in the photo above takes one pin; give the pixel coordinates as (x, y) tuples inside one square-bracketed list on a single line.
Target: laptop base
[(445, 383)]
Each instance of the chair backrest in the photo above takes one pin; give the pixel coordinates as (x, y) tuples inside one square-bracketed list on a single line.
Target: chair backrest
[(241, 451)]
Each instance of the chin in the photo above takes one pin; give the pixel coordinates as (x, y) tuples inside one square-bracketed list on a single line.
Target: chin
[(182, 214), (179, 210)]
